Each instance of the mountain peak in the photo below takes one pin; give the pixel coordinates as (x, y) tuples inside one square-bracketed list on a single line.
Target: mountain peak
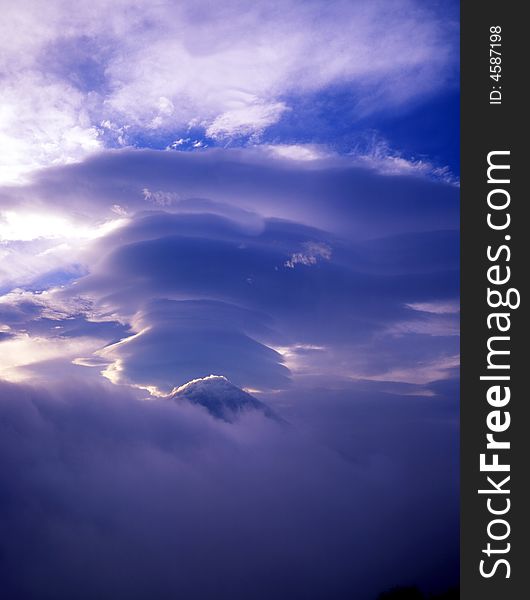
[(221, 398)]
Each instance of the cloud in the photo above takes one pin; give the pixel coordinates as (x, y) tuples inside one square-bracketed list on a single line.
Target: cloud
[(36, 245), (311, 254), (335, 195), (45, 330), (377, 154), (260, 254), (353, 301), (436, 308), (113, 73), (321, 278), (42, 123), (248, 119), (101, 491), (298, 151), (177, 341)]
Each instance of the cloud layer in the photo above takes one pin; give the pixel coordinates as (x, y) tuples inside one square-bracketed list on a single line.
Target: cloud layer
[(119, 73), (103, 495), (244, 265)]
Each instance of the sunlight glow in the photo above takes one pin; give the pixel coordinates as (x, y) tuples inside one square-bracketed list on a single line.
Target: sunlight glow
[(24, 351), (25, 227)]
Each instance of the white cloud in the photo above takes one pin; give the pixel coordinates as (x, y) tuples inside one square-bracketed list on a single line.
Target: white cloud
[(160, 197), (24, 350), (42, 123), (437, 308), (35, 243), (311, 253), (301, 152), (248, 118), (228, 67), (419, 373), (379, 156)]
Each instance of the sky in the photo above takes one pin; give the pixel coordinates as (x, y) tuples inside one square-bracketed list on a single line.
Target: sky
[(267, 192)]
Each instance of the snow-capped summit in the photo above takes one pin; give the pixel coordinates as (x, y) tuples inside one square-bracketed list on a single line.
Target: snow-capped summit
[(220, 398)]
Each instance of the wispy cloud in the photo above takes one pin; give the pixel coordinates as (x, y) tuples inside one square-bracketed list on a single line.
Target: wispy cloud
[(111, 71)]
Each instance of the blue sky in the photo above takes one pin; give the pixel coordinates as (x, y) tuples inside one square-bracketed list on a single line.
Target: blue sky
[(265, 191)]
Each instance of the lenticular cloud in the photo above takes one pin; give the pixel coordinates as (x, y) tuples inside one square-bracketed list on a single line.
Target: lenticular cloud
[(228, 299)]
